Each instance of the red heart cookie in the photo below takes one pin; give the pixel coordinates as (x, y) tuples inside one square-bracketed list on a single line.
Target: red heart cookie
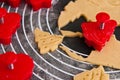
[(37, 4), (11, 21), (15, 66), (98, 33), (12, 3)]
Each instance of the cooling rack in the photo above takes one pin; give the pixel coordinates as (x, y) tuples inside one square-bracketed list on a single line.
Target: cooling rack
[(52, 66)]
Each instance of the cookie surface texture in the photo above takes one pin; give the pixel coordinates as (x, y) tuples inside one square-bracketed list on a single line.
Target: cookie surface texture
[(46, 41), (94, 74)]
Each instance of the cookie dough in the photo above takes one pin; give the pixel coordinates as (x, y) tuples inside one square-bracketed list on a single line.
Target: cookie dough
[(89, 9), (108, 56), (94, 74)]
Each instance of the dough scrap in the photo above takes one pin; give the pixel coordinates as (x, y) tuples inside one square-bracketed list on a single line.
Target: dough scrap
[(89, 9), (66, 33), (108, 56)]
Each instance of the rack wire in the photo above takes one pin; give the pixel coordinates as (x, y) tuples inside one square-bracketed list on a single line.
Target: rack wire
[(53, 66)]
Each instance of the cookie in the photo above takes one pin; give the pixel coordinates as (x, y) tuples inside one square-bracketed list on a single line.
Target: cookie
[(66, 33), (94, 74), (46, 41), (108, 56), (89, 9)]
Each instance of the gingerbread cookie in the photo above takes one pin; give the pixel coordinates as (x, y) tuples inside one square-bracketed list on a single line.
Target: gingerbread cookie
[(89, 8), (46, 41), (108, 56), (94, 74), (66, 33)]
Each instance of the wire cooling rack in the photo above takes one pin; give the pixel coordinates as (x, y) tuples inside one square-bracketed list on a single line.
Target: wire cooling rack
[(52, 66)]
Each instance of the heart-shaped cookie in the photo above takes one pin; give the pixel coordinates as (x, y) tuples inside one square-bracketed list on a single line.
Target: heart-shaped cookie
[(15, 66), (8, 26), (37, 4), (98, 33)]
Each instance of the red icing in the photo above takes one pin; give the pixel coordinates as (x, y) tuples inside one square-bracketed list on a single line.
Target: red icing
[(94, 35), (9, 26), (23, 66), (37, 4)]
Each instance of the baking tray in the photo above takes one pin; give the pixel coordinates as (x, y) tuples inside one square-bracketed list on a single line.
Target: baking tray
[(56, 65)]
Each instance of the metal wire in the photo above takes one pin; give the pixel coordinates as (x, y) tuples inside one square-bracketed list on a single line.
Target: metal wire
[(36, 53)]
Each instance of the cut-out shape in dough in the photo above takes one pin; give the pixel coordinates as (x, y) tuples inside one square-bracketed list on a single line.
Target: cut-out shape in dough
[(108, 56), (89, 9)]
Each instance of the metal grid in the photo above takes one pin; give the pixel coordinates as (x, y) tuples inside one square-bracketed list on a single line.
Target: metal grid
[(53, 66)]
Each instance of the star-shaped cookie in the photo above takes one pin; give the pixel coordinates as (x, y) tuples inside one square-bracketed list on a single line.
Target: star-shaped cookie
[(89, 9)]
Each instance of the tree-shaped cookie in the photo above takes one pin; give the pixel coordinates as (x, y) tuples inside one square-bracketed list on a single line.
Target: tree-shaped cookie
[(94, 74), (46, 41), (89, 8)]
